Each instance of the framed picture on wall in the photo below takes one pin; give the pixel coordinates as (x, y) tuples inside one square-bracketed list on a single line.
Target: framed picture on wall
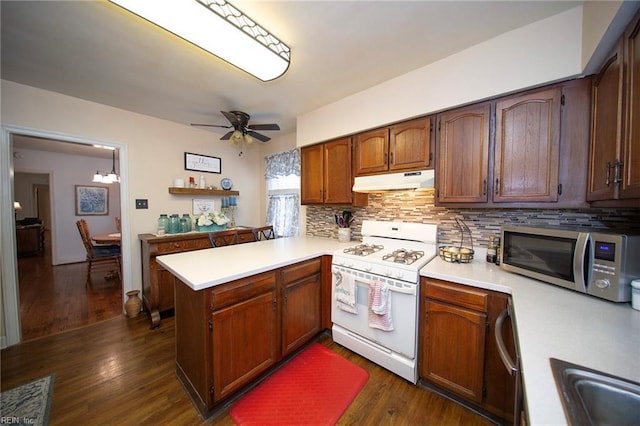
[(202, 163), (92, 200)]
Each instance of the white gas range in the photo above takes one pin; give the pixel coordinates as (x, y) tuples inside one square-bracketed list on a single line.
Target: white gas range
[(375, 293)]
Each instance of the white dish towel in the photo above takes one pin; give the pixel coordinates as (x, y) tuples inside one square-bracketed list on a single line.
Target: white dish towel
[(380, 306), (346, 292)]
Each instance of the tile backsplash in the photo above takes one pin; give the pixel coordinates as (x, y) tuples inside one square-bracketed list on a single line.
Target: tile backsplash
[(418, 206)]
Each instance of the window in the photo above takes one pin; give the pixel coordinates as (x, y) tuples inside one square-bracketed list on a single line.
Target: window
[(283, 192)]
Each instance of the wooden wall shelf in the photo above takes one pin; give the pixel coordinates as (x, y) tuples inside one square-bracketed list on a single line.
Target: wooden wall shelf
[(199, 191)]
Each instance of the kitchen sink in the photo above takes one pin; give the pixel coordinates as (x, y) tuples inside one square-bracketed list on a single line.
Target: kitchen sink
[(591, 397)]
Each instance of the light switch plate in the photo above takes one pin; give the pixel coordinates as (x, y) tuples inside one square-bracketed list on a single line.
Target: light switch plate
[(142, 203)]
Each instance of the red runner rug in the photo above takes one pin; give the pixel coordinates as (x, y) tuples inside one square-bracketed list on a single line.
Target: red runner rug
[(314, 388)]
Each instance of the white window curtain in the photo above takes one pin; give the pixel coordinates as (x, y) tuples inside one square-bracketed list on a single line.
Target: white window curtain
[(283, 191)]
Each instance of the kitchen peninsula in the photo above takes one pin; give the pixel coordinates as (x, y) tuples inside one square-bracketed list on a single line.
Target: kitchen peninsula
[(270, 296)]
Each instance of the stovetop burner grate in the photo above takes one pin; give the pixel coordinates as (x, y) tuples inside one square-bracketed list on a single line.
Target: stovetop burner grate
[(363, 249), (404, 256)]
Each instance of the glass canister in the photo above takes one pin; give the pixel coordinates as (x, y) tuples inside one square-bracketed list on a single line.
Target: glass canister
[(187, 225), (174, 224), (163, 224)]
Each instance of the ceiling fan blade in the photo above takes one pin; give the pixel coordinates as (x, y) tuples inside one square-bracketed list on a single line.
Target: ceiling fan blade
[(271, 126), (233, 118), (211, 125), (261, 138), (227, 136)]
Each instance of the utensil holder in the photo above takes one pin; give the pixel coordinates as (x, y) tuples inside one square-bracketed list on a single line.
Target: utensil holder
[(344, 235)]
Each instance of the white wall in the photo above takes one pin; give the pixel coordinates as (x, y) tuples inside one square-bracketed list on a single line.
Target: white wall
[(155, 155), (67, 171), (544, 51)]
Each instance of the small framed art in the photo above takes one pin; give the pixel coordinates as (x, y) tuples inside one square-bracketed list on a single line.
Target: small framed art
[(92, 200), (202, 163)]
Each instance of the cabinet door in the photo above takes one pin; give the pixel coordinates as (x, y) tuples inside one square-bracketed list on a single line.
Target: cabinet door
[(453, 350), (527, 147), (300, 312), (410, 145), (244, 342), (337, 172), (631, 148), (371, 151), (605, 130), (463, 154), (312, 169)]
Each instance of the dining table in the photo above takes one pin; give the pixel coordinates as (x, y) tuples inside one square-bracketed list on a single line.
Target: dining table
[(113, 238)]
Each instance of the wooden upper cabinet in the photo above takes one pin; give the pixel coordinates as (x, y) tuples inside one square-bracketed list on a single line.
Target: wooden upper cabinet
[(338, 181), (312, 174), (326, 174), (403, 146), (527, 147), (630, 187), (410, 145), (463, 154), (605, 128), (371, 152)]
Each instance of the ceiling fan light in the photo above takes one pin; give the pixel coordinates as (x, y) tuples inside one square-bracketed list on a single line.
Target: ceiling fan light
[(248, 139), (219, 28)]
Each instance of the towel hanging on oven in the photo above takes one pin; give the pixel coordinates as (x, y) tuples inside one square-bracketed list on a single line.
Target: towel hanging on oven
[(345, 292), (380, 306)]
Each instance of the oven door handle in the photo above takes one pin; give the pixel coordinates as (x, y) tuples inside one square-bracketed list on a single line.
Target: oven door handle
[(403, 290)]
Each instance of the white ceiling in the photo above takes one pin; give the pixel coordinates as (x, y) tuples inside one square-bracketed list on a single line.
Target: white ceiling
[(96, 51)]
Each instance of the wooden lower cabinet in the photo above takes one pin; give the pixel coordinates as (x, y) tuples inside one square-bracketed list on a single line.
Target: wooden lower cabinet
[(457, 348), (157, 282), (244, 332), (229, 335), (301, 304)]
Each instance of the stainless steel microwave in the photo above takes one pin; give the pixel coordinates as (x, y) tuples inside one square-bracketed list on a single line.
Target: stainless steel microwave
[(599, 263)]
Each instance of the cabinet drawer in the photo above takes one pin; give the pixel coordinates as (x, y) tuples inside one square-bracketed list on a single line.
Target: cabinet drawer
[(301, 270), (184, 245), (243, 289), (457, 294)]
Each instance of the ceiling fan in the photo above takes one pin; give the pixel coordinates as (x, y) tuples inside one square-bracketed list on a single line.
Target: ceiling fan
[(241, 128)]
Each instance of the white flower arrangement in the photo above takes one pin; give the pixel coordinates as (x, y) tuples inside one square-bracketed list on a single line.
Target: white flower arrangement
[(213, 217)]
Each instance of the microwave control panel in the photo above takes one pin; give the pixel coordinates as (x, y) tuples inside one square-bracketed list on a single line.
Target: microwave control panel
[(613, 266)]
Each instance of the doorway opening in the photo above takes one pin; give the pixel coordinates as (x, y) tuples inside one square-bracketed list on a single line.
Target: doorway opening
[(59, 268)]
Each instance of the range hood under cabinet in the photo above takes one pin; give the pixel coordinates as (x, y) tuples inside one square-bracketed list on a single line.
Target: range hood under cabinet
[(422, 179)]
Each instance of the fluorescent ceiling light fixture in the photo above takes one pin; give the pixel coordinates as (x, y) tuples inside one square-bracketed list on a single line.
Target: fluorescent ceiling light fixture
[(219, 28)]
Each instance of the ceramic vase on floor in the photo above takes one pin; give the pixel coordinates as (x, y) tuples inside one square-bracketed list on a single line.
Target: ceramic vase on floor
[(133, 304)]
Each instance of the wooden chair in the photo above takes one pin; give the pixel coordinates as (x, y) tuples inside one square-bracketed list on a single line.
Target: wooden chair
[(100, 257), (264, 233), (224, 238), (118, 225)]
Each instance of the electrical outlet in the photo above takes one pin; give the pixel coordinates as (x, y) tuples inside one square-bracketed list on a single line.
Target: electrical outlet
[(142, 203)]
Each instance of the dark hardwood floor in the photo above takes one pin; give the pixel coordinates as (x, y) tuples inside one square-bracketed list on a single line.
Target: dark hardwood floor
[(55, 298), (111, 369), (120, 371)]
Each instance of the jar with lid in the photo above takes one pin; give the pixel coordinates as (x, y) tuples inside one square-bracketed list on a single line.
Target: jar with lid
[(163, 224), (185, 223), (491, 249), (174, 224)]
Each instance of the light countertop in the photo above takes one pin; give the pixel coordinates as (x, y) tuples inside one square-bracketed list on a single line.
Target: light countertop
[(550, 321), (201, 269), (555, 322)]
